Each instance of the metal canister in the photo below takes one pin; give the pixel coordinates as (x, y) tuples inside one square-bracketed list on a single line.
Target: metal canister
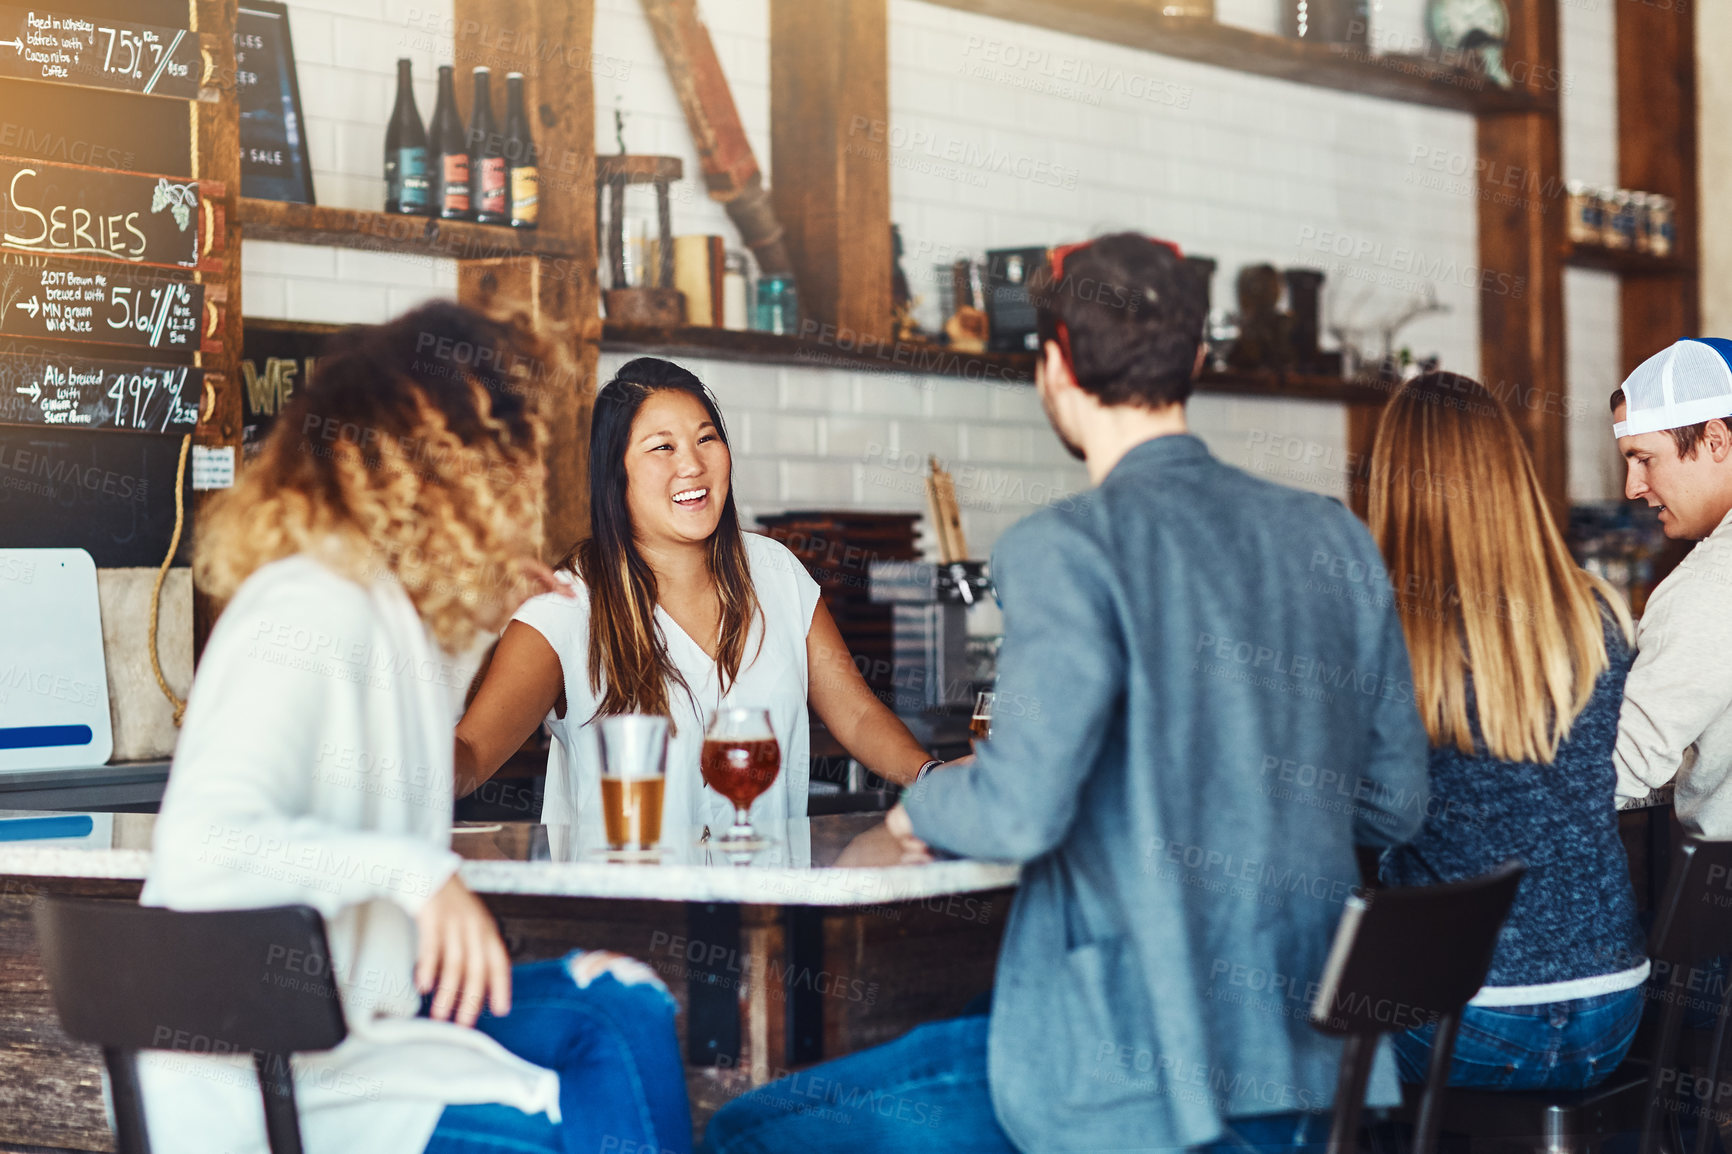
[(1621, 230), (1662, 224), (1642, 223)]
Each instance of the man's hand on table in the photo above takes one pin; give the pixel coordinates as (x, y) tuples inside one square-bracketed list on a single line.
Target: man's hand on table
[(901, 827)]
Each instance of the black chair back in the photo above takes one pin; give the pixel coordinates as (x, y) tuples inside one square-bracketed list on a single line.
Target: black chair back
[(1402, 958), (1692, 927), (243, 982)]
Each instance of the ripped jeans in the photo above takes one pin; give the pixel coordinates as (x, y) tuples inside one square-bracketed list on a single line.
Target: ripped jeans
[(605, 1024)]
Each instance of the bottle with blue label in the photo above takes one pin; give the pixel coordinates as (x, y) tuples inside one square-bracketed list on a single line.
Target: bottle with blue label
[(407, 187)]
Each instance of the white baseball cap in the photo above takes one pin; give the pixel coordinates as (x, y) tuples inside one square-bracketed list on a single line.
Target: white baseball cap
[(1684, 384)]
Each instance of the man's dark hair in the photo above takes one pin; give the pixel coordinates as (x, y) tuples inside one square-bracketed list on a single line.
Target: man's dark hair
[(1686, 437), (1134, 311)]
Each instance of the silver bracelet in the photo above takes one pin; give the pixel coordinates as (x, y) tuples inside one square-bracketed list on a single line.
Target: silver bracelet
[(927, 768)]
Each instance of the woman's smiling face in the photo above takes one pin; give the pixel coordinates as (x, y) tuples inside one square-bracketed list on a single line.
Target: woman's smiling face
[(677, 470)]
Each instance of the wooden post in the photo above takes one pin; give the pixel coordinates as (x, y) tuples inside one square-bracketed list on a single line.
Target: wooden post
[(1657, 153), (830, 157), (216, 127), (550, 42), (566, 394), (1521, 241)]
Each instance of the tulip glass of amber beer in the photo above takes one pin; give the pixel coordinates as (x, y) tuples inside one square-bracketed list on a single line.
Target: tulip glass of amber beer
[(634, 755), (740, 761)]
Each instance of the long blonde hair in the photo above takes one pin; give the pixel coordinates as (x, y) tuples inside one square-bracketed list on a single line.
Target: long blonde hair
[(1483, 581), (413, 452)]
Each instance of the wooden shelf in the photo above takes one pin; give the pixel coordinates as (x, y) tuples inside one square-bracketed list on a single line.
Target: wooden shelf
[(775, 349), (1294, 387), (1626, 262), (938, 360), (926, 360), (393, 233), (1137, 24)]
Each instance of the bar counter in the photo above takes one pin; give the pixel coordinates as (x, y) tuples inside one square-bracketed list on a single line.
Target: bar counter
[(821, 944), (841, 860)]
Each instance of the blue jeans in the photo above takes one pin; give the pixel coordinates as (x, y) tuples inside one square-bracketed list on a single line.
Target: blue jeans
[(1555, 1046), (925, 1093), (622, 1085)]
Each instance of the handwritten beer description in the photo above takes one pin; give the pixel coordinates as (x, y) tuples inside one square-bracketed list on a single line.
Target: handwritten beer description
[(104, 304), (99, 53), (76, 393)]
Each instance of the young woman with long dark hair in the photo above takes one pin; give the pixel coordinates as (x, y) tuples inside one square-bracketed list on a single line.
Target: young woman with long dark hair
[(1519, 659), (390, 524), (672, 611)]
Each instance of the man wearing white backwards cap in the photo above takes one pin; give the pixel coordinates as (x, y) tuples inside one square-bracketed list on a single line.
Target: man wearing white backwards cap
[(1671, 420)]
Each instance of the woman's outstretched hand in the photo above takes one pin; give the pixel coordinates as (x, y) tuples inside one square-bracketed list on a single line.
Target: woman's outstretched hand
[(461, 956)]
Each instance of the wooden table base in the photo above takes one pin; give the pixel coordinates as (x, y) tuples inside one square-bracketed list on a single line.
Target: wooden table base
[(762, 989)]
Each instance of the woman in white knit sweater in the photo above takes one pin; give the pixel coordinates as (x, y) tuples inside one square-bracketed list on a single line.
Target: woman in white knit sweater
[(389, 526)]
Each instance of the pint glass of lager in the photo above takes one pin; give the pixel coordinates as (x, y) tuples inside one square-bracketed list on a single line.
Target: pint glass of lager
[(634, 755)]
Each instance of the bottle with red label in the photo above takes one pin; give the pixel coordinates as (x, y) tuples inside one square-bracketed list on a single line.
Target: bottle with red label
[(450, 154), (487, 169)]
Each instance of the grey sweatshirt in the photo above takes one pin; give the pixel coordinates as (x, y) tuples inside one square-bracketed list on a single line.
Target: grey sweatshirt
[(1676, 720)]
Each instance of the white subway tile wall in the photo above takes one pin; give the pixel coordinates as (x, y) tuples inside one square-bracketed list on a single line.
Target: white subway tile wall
[(999, 135), (1593, 346)]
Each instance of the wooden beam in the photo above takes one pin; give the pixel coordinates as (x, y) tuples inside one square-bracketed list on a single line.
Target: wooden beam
[(1521, 240), (1657, 153), (1140, 24), (1361, 434), (550, 42), (830, 157)]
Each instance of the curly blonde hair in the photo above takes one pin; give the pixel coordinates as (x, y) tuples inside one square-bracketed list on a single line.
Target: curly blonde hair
[(414, 452)]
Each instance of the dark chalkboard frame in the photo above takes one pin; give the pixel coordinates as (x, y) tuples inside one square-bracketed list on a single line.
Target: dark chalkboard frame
[(274, 187)]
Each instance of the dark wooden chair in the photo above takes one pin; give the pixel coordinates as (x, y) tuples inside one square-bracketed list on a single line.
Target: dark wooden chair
[(1401, 957), (130, 978), (1692, 926)]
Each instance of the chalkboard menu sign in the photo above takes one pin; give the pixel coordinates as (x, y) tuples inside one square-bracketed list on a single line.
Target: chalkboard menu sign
[(67, 49), (274, 160), (55, 210), (114, 496), (100, 303), (74, 392), (278, 360)]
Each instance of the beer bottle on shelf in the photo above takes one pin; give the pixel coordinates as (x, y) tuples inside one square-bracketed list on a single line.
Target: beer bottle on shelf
[(449, 154), (524, 164), (487, 187), (406, 186)]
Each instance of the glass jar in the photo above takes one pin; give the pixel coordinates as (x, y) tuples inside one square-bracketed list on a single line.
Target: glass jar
[(1583, 220), (1662, 225), (736, 293), (778, 306)]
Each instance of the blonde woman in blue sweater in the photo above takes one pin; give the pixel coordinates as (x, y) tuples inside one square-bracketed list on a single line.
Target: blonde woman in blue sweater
[(1519, 659)]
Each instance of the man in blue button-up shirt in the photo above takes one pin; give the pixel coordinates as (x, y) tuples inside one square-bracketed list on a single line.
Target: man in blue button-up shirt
[(1204, 703)]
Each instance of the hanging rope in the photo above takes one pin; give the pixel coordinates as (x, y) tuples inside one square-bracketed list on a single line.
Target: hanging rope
[(174, 701)]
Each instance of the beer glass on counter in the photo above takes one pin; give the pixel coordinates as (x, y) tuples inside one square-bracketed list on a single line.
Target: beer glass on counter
[(980, 725), (740, 761), (634, 755)]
